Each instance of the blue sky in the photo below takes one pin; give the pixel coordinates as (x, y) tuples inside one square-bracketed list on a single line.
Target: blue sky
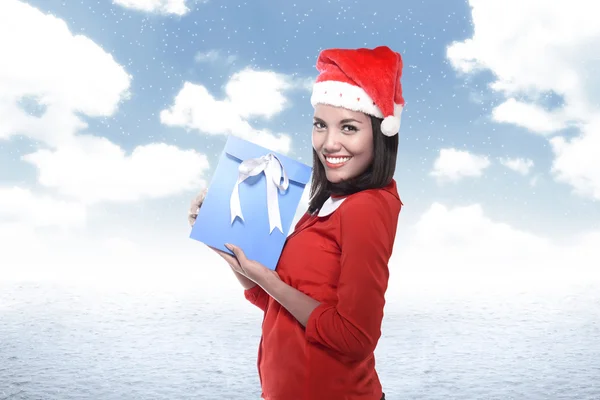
[(479, 92)]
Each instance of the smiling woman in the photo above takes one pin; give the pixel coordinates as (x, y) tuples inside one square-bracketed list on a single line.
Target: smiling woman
[(342, 142), (324, 304), (350, 153)]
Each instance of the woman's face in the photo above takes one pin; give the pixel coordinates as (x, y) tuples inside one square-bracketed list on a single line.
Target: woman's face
[(343, 140)]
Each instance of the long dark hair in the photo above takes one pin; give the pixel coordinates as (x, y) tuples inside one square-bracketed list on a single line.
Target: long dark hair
[(379, 174)]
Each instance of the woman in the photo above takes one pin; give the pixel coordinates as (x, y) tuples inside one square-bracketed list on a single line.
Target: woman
[(324, 305)]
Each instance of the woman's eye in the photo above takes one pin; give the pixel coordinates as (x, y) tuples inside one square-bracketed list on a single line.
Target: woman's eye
[(318, 125), (349, 128)]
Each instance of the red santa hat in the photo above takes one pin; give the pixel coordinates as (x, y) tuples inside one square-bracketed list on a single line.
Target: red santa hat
[(365, 80)]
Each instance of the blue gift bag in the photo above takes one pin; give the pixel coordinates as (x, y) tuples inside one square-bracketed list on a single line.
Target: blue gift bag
[(251, 201)]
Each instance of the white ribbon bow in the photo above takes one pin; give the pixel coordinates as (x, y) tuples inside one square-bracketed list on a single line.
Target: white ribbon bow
[(274, 171)]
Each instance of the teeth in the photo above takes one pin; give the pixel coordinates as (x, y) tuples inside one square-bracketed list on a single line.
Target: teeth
[(337, 160)]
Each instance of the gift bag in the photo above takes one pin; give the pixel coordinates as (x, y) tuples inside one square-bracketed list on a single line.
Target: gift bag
[(251, 201)]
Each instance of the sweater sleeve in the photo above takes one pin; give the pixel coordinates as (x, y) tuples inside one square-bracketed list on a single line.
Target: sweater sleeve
[(257, 296), (352, 327)]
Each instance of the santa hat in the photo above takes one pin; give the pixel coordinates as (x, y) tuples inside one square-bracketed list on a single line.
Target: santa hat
[(365, 80)]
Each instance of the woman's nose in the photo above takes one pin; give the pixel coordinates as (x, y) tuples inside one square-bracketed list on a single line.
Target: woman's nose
[(331, 143)]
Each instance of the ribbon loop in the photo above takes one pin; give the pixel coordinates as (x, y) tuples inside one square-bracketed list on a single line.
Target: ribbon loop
[(274, 173)]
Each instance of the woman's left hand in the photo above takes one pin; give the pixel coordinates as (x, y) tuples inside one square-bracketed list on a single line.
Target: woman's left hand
[(251, 269)]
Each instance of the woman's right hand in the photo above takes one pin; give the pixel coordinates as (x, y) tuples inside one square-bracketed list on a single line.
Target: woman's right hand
[(195, 206)]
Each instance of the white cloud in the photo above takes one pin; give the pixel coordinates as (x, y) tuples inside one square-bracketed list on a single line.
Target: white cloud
[(577, 160), (176, 7), (529, 116), (534, 180), (18, 205), (160, 263), (64, 73), (212, 56), (534, 50), (93, 169), (448, 251), (461, 250), (249, 93), (520, 165), (306, 83), (61, 73), (257, 93), (454, 165)]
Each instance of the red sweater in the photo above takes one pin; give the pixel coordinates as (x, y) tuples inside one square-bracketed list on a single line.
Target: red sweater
[(340, 260)]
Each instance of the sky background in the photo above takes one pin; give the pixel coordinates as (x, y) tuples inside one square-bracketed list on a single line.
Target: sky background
[(114, 113)]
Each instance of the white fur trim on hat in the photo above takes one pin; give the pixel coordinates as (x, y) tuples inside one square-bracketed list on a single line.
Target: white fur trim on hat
[(391, 124), (342, 94)]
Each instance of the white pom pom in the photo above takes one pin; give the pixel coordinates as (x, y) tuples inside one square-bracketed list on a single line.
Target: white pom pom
[(390, 125)]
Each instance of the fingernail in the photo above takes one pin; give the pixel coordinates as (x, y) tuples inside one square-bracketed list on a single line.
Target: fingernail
[(228, 246)]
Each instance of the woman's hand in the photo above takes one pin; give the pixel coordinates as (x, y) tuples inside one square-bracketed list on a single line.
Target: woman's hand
[(297, 303), (195, 206), (251, 269)]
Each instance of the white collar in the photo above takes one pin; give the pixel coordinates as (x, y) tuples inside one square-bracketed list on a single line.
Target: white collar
[(330, 205)]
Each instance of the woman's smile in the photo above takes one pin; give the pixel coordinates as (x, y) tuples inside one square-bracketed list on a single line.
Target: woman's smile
[(336, 161)]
